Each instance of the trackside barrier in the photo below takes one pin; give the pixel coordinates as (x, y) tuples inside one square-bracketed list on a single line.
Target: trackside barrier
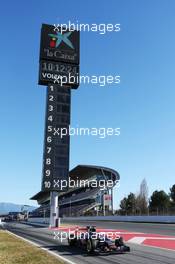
[(141, 219), (39, 220)]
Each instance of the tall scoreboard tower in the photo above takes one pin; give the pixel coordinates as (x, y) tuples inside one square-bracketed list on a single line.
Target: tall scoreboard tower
[(59, 70)]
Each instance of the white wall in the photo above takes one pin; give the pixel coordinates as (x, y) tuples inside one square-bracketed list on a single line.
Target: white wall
[(148, 219), (39, 220)]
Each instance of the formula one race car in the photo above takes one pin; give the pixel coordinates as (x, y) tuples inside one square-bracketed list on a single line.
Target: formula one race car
[(92, 241)]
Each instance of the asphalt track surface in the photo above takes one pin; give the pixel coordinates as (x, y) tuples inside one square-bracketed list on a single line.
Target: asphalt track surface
[(139, 254)]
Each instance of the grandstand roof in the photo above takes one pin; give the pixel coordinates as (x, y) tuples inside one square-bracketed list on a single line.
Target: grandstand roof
[(81, 172), (87, 171), (41, 196)]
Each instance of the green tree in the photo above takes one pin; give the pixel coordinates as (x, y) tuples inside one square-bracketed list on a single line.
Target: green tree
[(131, 203), (159, 200), (123, 206), (128, 204), (172, 194)]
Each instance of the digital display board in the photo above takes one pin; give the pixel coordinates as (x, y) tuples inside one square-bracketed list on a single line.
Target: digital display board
[(56, 147), (59, 46), (58, 73)]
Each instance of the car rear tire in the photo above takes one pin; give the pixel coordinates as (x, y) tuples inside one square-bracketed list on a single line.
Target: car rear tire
[(72, 242), (119, 242), (90, 246)]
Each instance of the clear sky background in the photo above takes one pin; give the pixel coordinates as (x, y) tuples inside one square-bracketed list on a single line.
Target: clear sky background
[(143, 105)]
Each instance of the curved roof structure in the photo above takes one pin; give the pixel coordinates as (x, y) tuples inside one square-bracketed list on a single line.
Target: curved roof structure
[(82, 172), (87, 171)]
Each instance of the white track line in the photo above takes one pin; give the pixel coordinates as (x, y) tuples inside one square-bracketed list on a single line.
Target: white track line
[(145, 245), (140, 240), (47, 250)]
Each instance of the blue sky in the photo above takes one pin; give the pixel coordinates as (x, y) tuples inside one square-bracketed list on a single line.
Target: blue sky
[(143, 54)]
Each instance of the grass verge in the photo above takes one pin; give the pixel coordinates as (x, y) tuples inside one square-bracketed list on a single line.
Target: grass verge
[(14, 250)]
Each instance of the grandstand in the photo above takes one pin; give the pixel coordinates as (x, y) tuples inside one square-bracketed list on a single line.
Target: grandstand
[(84, 199)]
